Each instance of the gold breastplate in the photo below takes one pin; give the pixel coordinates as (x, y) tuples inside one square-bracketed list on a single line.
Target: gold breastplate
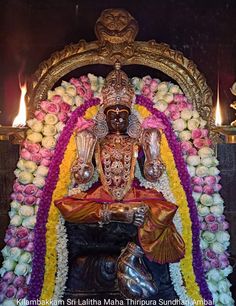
[(116, 157)]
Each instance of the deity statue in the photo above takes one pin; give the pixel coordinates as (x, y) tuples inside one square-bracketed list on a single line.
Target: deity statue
[(141, 218)]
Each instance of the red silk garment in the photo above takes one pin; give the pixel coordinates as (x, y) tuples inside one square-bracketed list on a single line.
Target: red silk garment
[(158, 237)]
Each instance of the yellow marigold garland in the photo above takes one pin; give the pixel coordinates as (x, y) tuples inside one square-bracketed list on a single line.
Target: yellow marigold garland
[(91, 112), (181, 200), (53, 219)]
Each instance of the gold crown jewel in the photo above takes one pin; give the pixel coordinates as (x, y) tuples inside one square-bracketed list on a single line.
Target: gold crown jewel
[(117, 89)]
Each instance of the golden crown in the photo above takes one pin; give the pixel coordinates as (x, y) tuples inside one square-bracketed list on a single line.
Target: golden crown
[(117, 89)]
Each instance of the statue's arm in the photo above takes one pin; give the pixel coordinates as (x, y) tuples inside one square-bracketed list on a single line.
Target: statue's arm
[(153, 166), (83, 168)]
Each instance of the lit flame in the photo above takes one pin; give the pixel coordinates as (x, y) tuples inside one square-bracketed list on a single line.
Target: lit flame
[(20, 119), (218, 119)]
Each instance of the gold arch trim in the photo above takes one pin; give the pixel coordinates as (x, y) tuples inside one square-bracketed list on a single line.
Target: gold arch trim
[(113, 46)]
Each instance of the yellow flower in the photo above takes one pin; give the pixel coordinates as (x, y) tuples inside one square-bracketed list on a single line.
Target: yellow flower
[(91, 112), (181, 200), (144, 113), (51, 235)]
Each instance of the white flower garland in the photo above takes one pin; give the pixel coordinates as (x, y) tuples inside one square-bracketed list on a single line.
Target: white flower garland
[(163, 186), (62, 262)]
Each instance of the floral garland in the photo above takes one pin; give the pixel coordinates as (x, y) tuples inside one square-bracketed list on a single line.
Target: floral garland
[(62, 255), (37, 275), (53, 218), (185, 181), (36, 156)]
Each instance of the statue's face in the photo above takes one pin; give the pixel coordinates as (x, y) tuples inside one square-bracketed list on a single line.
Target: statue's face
[(117, 117)]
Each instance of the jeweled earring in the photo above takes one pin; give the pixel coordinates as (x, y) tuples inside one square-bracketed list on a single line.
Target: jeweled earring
[(100, 129), (134, 127)]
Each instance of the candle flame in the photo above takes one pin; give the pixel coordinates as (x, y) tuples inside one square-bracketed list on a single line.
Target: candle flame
[(20, 119), (218, 118)]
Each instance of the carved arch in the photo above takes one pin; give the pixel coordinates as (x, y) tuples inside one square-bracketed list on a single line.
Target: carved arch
[(116, 42)]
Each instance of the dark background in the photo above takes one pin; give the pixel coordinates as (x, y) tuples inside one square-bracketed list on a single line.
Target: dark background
[(205, 31)]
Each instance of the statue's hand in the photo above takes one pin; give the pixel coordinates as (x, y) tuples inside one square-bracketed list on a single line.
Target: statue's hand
[(153, 170), (140, 214), (119, 212), (82, 172)]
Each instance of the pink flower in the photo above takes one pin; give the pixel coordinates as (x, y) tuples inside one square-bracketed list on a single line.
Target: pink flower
[(215, 263), (17, 187), (223, 257), (30, 200), (36, 157), (146, 90), (83, 124), (39, 193), (29, 247), (217, 187), (186, 145), (213, 227), (180, 98), (32, 147), (182, 105), (75, 82), (57, 99), (208, 189), (197, 180), (22, 243), (50, 107), (224, 264), (10, 292), (203, 226), (62, 117), (81, 91), (45, 162), (175, 115), (3, 286), (172, 107), (31, 236), (11, 242), (199, 143), (204, 132), (8, 277), (210, 218), (46, 153), (210, 180), (197, 188), (22, 232), (19, 197), (39, 115), (30, 189), (19, 281), (84, 79), (64, 107), (25, 154), (197, 133), (192, 151), (153, 85), (224, 226), (21, 293), (87, 86), (210, 254), (153, 122), (89, 94), (207, 265)]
